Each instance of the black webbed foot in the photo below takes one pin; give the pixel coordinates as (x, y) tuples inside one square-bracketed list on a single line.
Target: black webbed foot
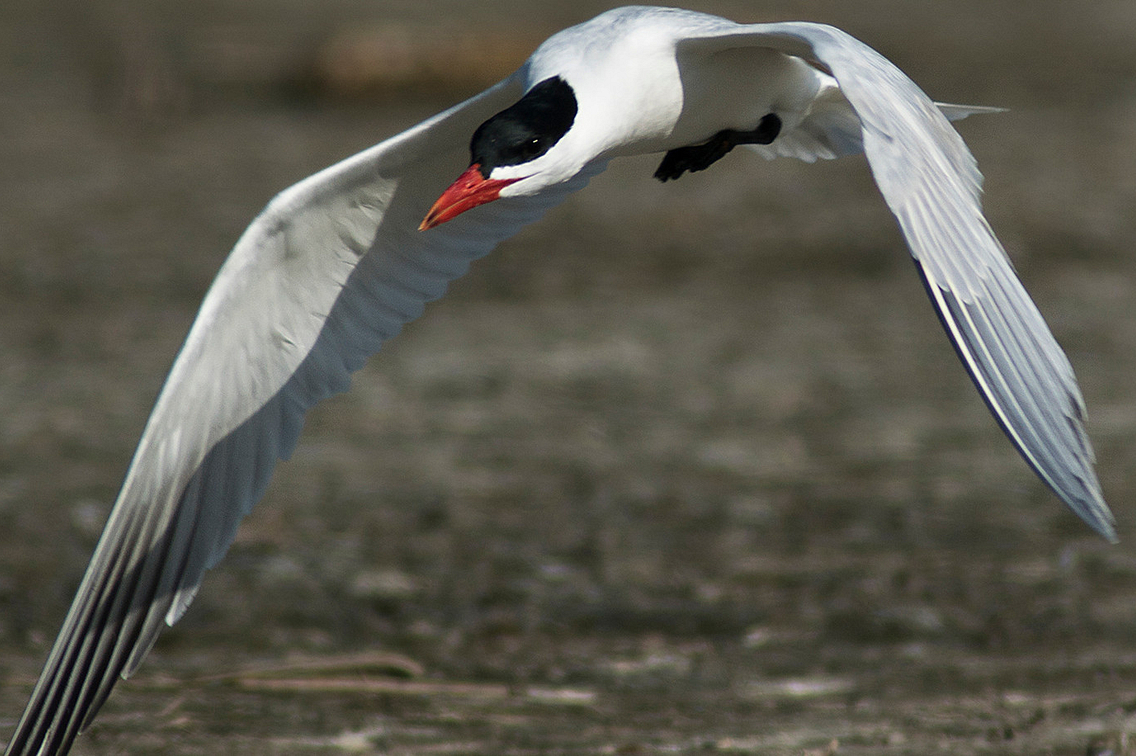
[(698, 157)]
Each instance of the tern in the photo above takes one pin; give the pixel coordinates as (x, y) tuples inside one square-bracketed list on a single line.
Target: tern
[(336, 264)]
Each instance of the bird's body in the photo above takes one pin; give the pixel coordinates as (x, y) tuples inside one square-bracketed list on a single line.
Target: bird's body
[(336, 264), (653, 101)]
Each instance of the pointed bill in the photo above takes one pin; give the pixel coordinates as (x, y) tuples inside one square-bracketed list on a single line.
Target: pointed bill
[(470, 190)]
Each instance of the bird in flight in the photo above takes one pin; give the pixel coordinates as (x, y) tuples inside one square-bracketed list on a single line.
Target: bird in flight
[(335, 265)]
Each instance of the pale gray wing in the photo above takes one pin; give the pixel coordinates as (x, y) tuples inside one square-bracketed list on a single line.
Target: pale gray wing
[(932, 184), (831, 129), (332, 268)]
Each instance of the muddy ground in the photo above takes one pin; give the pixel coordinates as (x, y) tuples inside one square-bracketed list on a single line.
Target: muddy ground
[(682, 469)]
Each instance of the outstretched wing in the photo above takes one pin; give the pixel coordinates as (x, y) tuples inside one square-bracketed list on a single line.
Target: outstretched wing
[(831, 129), (332, 268), (932, 184)]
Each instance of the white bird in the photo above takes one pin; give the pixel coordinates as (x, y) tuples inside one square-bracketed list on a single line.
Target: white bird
[(336, 264)]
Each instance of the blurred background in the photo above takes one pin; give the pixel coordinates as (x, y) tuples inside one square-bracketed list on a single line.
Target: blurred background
[(683, 467)]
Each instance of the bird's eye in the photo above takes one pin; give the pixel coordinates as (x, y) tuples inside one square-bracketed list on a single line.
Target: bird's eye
[(532, 147)]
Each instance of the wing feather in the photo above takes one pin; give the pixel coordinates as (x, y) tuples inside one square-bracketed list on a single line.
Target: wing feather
[(331, 269), (932, 184)]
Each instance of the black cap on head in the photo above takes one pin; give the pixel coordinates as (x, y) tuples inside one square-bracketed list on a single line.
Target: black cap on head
[(525, 130)]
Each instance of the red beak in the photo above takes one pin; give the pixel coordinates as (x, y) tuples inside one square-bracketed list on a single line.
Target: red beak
[(470, 190)]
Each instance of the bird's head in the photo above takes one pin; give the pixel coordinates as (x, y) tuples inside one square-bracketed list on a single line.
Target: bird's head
[(510, 152)]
